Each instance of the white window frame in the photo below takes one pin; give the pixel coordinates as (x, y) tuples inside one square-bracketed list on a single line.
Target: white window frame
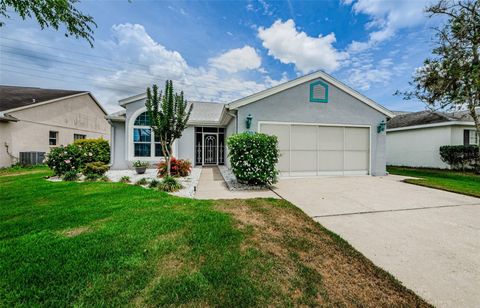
[(472, 137), (130, 148)]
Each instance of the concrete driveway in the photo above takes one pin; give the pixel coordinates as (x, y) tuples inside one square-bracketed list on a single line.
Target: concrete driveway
[(427, 238)]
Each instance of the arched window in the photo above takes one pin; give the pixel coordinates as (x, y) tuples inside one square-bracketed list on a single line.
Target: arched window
[(145, 144)]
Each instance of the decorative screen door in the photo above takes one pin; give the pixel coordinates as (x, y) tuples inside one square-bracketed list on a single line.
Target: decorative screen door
[(210, 148)]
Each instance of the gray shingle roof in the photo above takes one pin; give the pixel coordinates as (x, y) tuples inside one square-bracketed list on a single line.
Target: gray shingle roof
[(203, 112), (427, 117), (14, 97)]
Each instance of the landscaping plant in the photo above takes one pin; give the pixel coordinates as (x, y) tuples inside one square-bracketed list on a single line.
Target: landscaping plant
[(141, 182), (125, 179), (97, 168), (140, 166), (153, 183), (75, 156), (461, 157), (169, 114), (253, 158), (178, 167), (169, 184), (70, 176)]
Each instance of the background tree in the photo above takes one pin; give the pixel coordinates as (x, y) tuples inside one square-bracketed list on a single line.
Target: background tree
[(451, 78), (52, 13), (169, 115)]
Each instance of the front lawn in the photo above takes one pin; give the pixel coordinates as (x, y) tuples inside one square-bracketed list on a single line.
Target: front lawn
[(110, 244), (455, 181)]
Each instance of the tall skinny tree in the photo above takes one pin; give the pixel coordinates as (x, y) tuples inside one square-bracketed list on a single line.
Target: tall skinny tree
[(451, 78), (169, 114)]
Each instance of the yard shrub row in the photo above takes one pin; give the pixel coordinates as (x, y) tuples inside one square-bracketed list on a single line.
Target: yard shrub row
[(461, 157), (74, 157), (253, 158)]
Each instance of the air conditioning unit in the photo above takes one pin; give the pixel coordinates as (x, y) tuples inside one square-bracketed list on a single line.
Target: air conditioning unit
[(31, 158)]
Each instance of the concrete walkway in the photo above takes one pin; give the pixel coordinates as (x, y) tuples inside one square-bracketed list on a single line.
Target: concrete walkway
[(429, 239), (212, 186)]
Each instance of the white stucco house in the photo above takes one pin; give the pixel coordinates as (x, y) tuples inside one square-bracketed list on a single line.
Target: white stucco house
[(33, 120), (414, 139), (323, 127)]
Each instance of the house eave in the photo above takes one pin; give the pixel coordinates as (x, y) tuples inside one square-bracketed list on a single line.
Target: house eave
[(413, 127)]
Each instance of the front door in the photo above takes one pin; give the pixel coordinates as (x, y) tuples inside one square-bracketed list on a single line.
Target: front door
[(210, 149)]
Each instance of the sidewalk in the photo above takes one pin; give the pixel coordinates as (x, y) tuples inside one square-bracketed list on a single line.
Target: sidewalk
[(212, 186)]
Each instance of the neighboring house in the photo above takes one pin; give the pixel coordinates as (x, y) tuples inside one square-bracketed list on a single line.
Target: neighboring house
[(414, 139), (35, 120), (323, 127)]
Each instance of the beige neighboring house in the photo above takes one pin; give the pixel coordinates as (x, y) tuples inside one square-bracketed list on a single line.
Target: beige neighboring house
[(36, 119)]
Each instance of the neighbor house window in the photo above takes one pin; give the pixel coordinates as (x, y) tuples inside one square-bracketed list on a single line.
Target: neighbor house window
[(52, 138), (145, 143), (470, 137), (79, 136)]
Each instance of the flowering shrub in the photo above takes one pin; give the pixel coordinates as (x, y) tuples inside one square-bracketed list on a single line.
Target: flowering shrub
[(93, 150), (64, 159), (178, 167), (253, 158), (75, 156)]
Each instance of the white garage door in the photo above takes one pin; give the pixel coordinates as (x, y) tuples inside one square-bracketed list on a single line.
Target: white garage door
[(310, 150)]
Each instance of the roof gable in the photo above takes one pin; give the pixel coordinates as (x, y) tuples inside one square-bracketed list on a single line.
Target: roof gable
[(304, 79)]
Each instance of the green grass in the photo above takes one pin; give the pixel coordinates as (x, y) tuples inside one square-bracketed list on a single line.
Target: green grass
[(114, 244), (466, 183)]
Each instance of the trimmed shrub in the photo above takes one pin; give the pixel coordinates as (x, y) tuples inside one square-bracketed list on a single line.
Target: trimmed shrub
[(178, 167), (460, 157), (254, 157), (75, 156), (93, 150), (95, 168), (169, 184), (70, 176)]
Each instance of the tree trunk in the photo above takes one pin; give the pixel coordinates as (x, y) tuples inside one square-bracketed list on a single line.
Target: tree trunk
[(476, 120)]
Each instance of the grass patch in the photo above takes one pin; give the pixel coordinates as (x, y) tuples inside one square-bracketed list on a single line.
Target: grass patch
[(112, 244), (466, 183)]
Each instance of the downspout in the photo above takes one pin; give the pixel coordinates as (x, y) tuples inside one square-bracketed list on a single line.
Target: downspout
[(112, 142), (236, 121)]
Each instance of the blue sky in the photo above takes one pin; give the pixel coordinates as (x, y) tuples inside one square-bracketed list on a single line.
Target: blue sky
[(223, 50)]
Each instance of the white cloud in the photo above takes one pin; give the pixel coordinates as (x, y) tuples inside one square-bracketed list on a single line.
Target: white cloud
[(239, 59), (153, 63), (307, 53), (387, 17)]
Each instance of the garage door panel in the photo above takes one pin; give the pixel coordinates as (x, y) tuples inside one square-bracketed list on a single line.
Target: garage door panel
[(309, 150), (356, 138), (284, 161), (330, 138), (281, 131), (330, 161), (303, 161), (303, 137), (356, 160)]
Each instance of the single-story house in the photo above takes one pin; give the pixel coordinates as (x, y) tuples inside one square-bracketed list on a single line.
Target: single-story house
[(414, 139), (323, 127), (36, 119)]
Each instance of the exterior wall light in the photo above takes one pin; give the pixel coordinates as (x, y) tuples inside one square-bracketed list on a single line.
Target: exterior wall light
[(249, 121), (381, 127)]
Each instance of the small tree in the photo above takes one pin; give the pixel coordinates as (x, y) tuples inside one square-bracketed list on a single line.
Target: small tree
[(451, 79), (169, 115)]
